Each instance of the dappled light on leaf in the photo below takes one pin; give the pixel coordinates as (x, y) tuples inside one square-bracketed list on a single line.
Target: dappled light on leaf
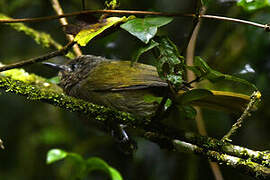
[(145, 28), (85, 35), (55, 155), (170, 65), (83, 166)]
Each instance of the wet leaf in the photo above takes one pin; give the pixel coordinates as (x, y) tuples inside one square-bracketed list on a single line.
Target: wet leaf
[(170, 64), (85, 35), (55, 155), (145, 28)]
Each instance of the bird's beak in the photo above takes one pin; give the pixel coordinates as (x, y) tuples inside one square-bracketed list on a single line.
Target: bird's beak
[(58, 67)]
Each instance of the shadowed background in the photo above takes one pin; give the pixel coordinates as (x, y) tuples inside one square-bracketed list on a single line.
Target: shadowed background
[(29, 129)]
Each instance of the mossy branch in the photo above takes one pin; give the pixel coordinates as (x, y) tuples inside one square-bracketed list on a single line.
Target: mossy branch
[(38, 89), (254, 163), (246, 166), (41, 38)]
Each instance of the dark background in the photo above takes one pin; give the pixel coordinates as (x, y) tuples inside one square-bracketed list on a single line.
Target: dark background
[(29, 129)]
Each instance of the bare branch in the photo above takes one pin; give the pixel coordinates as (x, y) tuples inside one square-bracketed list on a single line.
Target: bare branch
[(38, 59), (63, 21), (39, 19)]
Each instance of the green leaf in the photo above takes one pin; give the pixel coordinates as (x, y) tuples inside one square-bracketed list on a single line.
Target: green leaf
[(83, 167), (55, 155), (115, 175), (193, 95), (85, 35), (98, 164), (170, 64), (201, 69), (142, 50), (252, 5), (145, 28)]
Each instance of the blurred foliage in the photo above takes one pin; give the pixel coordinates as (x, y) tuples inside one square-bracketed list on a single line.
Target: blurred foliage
[(82, 167), (252, 5), (30, 129)]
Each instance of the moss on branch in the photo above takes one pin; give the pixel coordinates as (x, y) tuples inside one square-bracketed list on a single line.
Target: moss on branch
[(36, 88), (255, 163)]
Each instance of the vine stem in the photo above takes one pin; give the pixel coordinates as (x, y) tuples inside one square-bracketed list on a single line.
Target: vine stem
[(38, 19)]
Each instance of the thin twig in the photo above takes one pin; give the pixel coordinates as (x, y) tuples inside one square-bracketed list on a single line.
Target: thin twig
[(190, 75), (39, 19), (234, 20), (57, 7), (38, 59), (1, 144), (255, 97), (245, 166)]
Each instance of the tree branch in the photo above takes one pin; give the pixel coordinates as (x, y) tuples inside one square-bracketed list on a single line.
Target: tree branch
[(251, 162), (41, 38), (44, 57), (39, 19), (57, 8)]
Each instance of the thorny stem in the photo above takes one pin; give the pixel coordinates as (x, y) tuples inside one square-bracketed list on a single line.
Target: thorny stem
[(38, 19), (254, 98), (38, 59)]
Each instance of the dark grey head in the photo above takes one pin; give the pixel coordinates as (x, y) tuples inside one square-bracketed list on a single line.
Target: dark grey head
[(77, 69)]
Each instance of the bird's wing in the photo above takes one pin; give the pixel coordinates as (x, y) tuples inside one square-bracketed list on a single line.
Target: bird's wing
[(121, 75)]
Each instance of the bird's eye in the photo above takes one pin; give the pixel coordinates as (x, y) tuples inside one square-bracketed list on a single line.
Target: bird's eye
[(73, 67)]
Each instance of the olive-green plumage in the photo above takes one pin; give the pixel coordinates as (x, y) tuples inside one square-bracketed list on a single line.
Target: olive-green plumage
[(127, 88), (116, 84)]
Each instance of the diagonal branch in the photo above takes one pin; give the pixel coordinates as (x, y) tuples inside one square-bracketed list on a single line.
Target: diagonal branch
[(44, 57), (255, 163), (57, 7)]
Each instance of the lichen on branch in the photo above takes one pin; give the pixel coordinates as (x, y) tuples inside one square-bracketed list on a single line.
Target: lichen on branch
[(38, 89), (255, 163)]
